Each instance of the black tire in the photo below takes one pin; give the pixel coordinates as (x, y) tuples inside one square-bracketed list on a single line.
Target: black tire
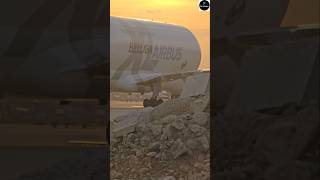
[(146, 103), (160, 101), (156, 102)]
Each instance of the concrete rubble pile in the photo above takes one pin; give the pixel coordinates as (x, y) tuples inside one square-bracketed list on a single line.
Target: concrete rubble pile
[(168, 142), (279, 144)]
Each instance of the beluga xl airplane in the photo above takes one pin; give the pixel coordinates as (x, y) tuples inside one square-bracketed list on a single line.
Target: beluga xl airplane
[(59, 50), (148, 56)]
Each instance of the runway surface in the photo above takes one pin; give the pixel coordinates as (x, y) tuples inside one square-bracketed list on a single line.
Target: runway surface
[(31, 148), (46, 136), (26, 148), (28, 160), (32, 135), (119, 108)]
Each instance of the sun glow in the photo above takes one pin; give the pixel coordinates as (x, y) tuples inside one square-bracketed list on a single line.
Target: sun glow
[(182, 12), (165, 2)]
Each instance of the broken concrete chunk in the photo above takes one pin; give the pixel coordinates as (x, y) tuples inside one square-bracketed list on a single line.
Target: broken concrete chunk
[(156, 129), (194, 128), (168, 178), (178, 149), (178, 125), (201, 118), (204, 143), (173, 107)]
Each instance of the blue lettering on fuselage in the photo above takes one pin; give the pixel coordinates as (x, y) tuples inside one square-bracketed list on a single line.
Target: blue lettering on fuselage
[(156, 52)]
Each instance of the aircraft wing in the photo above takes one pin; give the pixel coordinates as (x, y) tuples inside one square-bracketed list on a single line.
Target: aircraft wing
[(95, 69), (149, 79), (237, 46)]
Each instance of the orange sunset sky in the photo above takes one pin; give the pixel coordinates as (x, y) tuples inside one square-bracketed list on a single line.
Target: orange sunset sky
[(181, 12)]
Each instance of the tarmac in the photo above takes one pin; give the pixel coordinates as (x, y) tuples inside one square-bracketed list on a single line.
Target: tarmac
[(16, 162), (119, 108), (30, 147), (13, 135), (27, 146)]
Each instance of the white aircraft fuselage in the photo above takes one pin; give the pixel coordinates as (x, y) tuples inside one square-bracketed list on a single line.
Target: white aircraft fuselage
[(145, 50)]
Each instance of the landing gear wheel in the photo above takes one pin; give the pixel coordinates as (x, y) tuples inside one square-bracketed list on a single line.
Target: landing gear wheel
[(174, 96), (152, 102), (146, 103), (159, 101)]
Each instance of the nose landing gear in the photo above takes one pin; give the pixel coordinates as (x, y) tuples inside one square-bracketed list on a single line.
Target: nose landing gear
[(154, 101)]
